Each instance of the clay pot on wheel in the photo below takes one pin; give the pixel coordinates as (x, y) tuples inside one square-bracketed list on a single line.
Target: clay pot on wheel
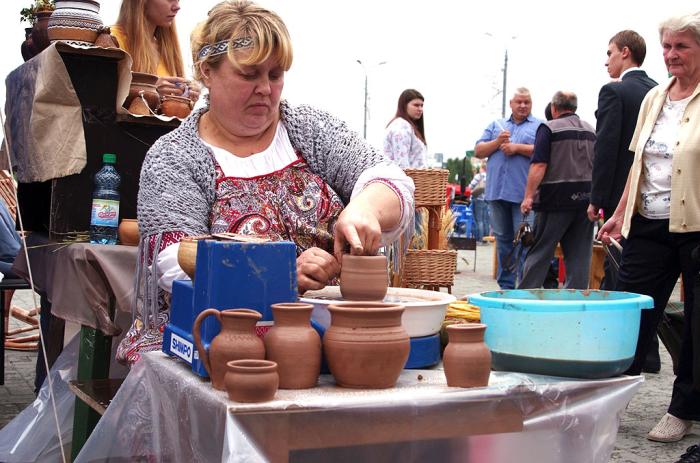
[(364, 278), (251, 380), (366, 345), (128, 232), (187, 254), (467, 359), (236, 341), (175, 106), (294, 345)]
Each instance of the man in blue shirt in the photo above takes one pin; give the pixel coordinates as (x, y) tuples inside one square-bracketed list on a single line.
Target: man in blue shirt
[(508, 145)]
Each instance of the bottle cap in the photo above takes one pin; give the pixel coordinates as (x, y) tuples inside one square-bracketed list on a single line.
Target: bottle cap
[(109, 158)]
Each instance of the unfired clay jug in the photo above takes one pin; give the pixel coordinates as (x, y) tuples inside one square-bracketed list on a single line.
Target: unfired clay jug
[(251, 380), (363, 278), (236, 341), (366, 346), (294, 345), (467, 359)]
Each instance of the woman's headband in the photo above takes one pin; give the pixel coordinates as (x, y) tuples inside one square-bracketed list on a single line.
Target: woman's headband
[(222, 46)]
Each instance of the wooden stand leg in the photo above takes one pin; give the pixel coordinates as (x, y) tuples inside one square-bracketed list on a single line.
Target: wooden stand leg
[(434, 224), (93, 363)]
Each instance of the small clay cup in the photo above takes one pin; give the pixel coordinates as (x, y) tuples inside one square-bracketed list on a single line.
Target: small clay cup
[(187, 254), (175, 106), (364, 278), (128, 232), (251, 380)]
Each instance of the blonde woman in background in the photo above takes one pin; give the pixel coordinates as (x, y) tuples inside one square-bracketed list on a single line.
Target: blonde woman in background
[(146, 30)]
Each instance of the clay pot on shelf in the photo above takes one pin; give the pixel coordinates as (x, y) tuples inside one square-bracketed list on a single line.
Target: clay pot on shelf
[(76, 22), (251, 380), (187, 254), (467, 359), (294, 345), (236, 341), (364, 278), (366, 346), (128, 232), (175, 106), (40, 33), (143, 87)]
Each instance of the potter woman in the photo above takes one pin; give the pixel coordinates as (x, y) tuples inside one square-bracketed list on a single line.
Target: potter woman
[(146, 30), (249, 162)]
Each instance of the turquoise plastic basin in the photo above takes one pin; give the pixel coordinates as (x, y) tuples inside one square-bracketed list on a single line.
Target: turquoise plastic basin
[(558, 332)]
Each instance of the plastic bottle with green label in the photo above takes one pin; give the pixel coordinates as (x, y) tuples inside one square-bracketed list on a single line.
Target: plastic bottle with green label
[(104, 220)]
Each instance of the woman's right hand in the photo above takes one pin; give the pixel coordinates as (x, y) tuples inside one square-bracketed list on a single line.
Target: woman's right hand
[(171, 85), (611, 228), (315, 268)]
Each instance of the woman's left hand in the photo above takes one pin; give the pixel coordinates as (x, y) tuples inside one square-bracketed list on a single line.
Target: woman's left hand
[(315, 268), (357, 228)]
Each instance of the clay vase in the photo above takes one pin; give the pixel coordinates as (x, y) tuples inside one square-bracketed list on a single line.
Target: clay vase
[(128, 232), (187, 254), (175, 106), (236, 341), (366, 346), (467, 360), (76, 22), (363, 278), (251, 380), (294, 345)]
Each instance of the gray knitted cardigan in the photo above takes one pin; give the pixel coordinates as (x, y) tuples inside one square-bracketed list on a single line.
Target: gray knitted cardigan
[(177, 184)]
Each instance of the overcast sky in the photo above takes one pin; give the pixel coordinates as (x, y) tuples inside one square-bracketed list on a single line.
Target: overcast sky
[(451, 51)]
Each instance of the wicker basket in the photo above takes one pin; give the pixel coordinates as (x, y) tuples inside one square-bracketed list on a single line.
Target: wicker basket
[(429, 267), (430, 186)]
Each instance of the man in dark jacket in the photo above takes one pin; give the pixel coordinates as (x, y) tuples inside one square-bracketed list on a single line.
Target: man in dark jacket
[(618, 107)]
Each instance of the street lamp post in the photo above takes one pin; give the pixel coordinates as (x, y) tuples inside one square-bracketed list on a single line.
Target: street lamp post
[(505, 78), (505, 75), (364, 129)]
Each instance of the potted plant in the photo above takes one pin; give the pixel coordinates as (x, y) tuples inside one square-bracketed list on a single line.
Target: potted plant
[(37, 15)]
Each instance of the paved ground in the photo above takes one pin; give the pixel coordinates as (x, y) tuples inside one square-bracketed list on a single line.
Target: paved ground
[(648, 405)]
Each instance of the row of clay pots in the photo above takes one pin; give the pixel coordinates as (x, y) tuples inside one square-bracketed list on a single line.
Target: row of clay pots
[(366, 347)]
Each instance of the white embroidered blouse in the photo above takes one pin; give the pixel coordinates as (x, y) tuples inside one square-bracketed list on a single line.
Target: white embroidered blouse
[(402, 146)]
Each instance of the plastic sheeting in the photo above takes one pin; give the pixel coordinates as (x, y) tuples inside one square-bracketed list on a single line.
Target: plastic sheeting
[(31, 436), (164, 413)]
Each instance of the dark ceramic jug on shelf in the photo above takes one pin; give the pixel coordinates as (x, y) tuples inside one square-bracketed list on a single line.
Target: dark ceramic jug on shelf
[(294, 345), (236, 341)]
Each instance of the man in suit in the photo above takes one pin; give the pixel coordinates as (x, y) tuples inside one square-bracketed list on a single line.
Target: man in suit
[(618, 107)]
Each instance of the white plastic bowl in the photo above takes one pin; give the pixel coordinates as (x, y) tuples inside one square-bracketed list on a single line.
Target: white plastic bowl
[(424, 314)]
